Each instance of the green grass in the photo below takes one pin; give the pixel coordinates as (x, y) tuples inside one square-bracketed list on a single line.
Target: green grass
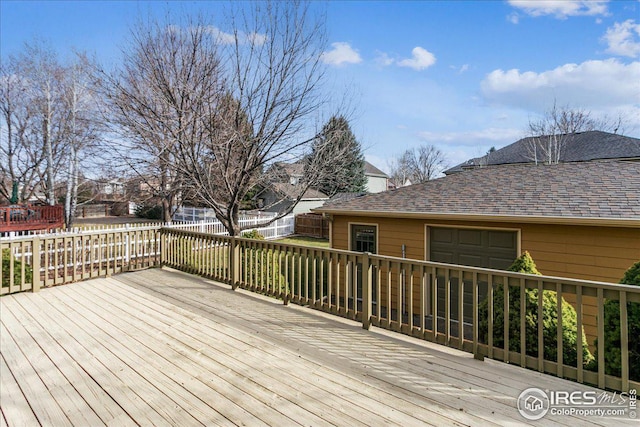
[(305, 241)]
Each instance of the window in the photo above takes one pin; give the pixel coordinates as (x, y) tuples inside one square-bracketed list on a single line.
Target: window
[(363, 238)]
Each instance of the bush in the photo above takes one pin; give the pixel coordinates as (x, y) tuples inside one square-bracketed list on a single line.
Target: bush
[(525, 264), (612, 344), (17, 269), (149, 211), (261, 264), (252, 234)]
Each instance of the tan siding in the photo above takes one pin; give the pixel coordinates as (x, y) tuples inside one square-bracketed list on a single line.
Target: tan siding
[(581, 252)]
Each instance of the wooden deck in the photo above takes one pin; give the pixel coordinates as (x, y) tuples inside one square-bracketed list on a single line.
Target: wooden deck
[(159, 347)]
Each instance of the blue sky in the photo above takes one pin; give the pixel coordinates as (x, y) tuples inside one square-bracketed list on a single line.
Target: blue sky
[(462, 75)]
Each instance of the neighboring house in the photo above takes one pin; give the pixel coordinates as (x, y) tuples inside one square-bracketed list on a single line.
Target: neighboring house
[(577, 147), (579, 220), (377, 181), (281, 195), (109, 190)]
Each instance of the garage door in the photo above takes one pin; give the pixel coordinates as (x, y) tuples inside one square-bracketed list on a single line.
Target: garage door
[(473, 247), (477, 248)]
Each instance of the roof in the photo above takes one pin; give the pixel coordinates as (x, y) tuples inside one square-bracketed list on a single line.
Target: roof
[(292, 191), (371, 170), (579, 147), (588, 191), (290, 169)]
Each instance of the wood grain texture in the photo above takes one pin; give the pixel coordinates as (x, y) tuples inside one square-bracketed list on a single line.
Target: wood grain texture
[(158, 347)]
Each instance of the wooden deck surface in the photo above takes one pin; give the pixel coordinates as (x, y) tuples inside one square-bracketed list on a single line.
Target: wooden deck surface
[(159, 347)]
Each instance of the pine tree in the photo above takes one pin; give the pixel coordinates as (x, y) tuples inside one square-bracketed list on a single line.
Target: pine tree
[(344, 172)]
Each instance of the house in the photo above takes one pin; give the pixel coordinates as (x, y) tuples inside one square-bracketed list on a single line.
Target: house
[(577, 220), (377, 181), (576, 147), (285, 189), (281, 195)]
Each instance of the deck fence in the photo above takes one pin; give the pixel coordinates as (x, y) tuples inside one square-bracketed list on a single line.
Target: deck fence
[(428, 300)]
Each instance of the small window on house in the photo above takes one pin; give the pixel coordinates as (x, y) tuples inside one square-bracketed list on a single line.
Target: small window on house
[(363, 238)]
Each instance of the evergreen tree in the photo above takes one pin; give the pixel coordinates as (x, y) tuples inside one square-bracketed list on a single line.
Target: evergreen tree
[(343, 172)]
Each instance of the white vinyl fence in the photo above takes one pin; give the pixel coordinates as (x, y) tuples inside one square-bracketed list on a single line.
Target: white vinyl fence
[(279, 228)]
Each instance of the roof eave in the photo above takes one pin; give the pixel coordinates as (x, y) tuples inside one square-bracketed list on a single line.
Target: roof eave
[(532, 219)]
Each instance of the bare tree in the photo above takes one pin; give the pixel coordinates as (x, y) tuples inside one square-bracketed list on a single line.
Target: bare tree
[(44, 75), (80, 104), (160, 99), (549, 135), (19, 158), (419, 165), (272, 79), (32, 116)]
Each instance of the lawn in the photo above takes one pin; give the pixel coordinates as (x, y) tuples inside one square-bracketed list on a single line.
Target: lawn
[(305, 241)]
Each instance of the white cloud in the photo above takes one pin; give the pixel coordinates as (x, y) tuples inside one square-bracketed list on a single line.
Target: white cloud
[(383, 59), (342, 53), (461, 69), (514, 18), (221, 36), (591, 84), (230, 38), (623, 39), (561, 9), (420, 60)]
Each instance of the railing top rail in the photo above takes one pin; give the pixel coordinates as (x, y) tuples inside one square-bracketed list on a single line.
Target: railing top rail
[(502, 273), (512, 274), (79, 233)]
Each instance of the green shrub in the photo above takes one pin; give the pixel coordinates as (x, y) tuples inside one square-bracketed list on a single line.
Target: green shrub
[(525, 264), (149, 211), (612, 344), (252, 234), (262, 266), (17, 269)]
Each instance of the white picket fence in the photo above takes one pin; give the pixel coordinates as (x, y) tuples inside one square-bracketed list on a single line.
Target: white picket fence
[(279, 228), (282, 227), (191, 214)]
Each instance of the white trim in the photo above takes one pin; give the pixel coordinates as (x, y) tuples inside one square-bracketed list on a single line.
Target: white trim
[(525, 219)]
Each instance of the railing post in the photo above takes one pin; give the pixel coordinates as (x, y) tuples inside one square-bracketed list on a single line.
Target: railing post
[(367, 273), (234, 263), (162, 241), (35, 264)]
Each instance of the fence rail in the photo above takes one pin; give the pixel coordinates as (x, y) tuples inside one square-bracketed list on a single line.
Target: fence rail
[(14, 218), (312, 225), (472, 309), (454, 305)]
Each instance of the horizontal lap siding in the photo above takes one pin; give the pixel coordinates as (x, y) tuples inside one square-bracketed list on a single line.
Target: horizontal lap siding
[(580, 252)]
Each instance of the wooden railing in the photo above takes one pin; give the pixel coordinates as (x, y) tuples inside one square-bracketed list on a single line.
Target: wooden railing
[(18, 218), (443, 303), (32, 262), (452, 305)]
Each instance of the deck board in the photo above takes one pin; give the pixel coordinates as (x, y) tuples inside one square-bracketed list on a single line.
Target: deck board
[(159, 347)]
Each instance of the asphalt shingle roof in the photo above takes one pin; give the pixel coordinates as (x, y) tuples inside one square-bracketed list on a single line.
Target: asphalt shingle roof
[(579, 147), (587, 190), (371, 170), (292, 191)]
